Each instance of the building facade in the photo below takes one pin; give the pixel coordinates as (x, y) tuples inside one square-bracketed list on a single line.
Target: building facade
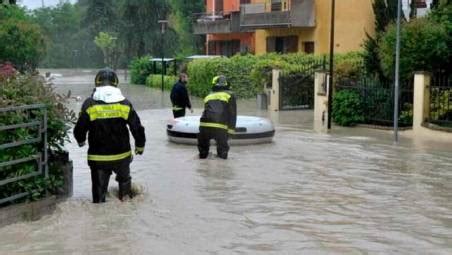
[(283, 26)]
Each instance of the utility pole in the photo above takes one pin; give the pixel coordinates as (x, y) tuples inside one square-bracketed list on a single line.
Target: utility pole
[(397, 66), (331, 80), (163, 24)]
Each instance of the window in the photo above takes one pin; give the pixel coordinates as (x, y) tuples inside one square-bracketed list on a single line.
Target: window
[(309, 47), (218, 6), (286, 44), (224, 48), (276, 6)]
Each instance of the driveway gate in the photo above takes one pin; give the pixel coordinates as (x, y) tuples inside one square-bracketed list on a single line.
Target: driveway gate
[(296, 89)]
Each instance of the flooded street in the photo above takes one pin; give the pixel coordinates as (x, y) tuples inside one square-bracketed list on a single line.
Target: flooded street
[(351, 192)]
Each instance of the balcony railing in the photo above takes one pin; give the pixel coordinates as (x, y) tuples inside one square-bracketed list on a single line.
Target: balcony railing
[(209, 23), (300, 13)]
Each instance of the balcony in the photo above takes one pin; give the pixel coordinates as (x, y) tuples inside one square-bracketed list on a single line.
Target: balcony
[(217, 24), (300, 13)]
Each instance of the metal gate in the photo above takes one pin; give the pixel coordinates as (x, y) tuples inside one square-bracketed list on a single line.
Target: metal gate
[(441, 99), (32, 120), (296, 91)]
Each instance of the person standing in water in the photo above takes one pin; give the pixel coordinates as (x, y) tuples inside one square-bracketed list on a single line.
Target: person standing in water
[(179, 97), (106, 117), (218, 119)]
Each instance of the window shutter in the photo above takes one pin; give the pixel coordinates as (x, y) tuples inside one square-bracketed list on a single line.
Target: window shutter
[(271, 44), (291, 44)]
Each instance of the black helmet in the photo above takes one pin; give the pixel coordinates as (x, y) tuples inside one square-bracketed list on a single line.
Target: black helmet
[(105, 77)]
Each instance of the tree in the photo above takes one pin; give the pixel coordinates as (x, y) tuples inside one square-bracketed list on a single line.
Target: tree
[(182, 19), (140, 31), (108, 44), (385, 13), (100, 16), (21, 41), (424, 47), (97, 16), (61, 25)]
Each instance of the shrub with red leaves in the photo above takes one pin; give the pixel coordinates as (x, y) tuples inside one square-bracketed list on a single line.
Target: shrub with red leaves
[(7, 70)]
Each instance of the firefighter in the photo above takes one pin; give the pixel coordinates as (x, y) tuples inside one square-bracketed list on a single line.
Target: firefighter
[(218, 119), (106, 117), (179, 97)]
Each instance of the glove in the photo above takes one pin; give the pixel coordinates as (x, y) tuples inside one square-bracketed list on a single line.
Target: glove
[(81, 144), (139, 151)]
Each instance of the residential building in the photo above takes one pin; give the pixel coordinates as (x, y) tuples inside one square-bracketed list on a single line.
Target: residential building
[(284, 26)]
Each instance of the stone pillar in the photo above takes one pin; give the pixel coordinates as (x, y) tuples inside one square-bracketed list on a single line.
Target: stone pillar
[(321, 102), (274, 93), (421, 101)]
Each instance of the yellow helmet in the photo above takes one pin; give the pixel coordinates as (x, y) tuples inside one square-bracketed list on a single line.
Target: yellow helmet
[(220, 80)]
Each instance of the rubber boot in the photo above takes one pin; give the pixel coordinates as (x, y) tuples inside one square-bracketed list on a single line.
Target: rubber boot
[(100, 179), (125, 189)]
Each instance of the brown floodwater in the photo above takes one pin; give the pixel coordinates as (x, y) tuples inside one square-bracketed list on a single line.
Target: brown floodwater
[(350, 192)]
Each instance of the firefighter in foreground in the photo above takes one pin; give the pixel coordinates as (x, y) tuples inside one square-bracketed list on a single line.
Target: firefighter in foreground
[(105, 117), (218, 119), (179, 97)]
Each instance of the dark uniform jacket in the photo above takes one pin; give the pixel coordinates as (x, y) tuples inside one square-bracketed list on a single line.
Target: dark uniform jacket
[(220, 110), (179, 97), (108, 135)]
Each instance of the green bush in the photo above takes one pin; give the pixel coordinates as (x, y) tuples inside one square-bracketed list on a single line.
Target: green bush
[(202, 71), (248, 74), (21, 41), (155, 81), (424, 47), (347, 108), (25, 90), (406, 115), (140, 69)]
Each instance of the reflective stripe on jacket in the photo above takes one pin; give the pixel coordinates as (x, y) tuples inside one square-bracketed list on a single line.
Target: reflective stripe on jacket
[(107, 126), (220, 110)]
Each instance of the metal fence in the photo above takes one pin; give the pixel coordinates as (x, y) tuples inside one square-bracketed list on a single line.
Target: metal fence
[(297, 88), (377, 100), (34, 123), (441, 99)]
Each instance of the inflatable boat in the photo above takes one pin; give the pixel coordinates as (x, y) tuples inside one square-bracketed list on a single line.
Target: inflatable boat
[(249, 130)]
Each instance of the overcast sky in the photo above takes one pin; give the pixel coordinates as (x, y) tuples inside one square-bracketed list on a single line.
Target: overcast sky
[(32, 4)]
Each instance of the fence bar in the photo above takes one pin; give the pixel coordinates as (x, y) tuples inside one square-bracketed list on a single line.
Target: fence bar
[(46, 165), (22, 125), (19, 161), (23, 107), (14, 197), (41, 157), (19, 178), (16, 144)]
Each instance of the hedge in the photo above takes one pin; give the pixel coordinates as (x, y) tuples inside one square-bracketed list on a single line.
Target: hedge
[(155, 81), (140, 69), (249, 74)]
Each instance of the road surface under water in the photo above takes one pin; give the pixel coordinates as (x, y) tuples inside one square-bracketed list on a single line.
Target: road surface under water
[(349, 193)]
